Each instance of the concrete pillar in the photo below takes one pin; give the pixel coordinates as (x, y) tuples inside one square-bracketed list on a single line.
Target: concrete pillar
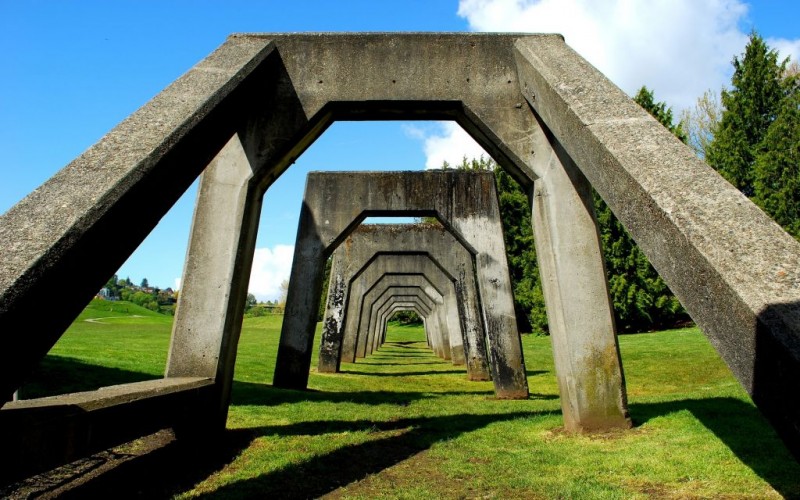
[(208, 319), (587, 360)]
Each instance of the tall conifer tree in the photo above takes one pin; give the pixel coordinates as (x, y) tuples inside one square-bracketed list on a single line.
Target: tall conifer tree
[(750, 107)]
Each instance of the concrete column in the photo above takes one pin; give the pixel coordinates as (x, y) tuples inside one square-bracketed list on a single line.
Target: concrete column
[(587, 360), (294, 349), (208, 319), (333, 321)]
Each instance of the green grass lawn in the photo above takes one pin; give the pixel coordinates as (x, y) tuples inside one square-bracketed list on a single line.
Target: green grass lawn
[(404, 424)]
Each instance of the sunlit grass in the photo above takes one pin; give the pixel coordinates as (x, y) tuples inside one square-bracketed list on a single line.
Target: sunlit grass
[(404, 424)]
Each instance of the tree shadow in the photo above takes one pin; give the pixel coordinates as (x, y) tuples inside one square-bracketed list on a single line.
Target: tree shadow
[(743, 429), (363, 362), (61, 375)]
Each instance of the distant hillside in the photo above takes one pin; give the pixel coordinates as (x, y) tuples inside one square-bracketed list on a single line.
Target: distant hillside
[(99, 308)]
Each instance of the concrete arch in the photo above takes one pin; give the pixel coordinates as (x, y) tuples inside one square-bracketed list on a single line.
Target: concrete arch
[(444, 309), (269, 96), (390, 245), (463, 315), (259, 100), (416, 294)]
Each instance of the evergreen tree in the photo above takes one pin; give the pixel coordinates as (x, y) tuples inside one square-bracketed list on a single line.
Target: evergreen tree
[(777, 166), (750, 107)]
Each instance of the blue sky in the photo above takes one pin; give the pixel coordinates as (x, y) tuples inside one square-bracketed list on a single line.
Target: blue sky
[(74, 69)]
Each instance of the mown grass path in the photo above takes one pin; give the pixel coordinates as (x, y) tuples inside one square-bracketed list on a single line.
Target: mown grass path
[(404, 424)]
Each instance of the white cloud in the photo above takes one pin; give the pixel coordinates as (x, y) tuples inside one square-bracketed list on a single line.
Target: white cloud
[(678, 48), (177, 284), (786, 48), (270, 267), (445, 141)]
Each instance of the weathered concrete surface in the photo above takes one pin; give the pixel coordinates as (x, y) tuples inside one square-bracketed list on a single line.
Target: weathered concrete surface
[(736, 272), (460, 295), (60, 232), (571, 266), (394, 294), (363, 245), (39, 434)]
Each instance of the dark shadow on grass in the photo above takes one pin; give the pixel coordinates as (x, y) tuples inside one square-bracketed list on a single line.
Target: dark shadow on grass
[(176, 468), (61, 375), (323, 474), (402, 374), (366, 362), (248, 393), (164, 472), (743, 429)]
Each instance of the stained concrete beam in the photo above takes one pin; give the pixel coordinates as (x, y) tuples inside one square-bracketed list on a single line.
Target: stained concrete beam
[(735, 271)]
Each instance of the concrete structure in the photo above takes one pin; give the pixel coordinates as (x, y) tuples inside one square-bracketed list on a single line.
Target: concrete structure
[(419, 190), (460, 317), (445, 308), (380, 310), (370, 255), (245, 113), (464, 202)]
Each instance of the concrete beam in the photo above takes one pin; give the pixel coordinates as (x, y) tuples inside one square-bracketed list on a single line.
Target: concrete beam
[(40, 434), (741, 286)]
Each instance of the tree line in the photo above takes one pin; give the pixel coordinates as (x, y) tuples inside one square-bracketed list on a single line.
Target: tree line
[(153, 298)]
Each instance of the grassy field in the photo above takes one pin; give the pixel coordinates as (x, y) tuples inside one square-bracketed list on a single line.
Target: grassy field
[(404, 424)]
